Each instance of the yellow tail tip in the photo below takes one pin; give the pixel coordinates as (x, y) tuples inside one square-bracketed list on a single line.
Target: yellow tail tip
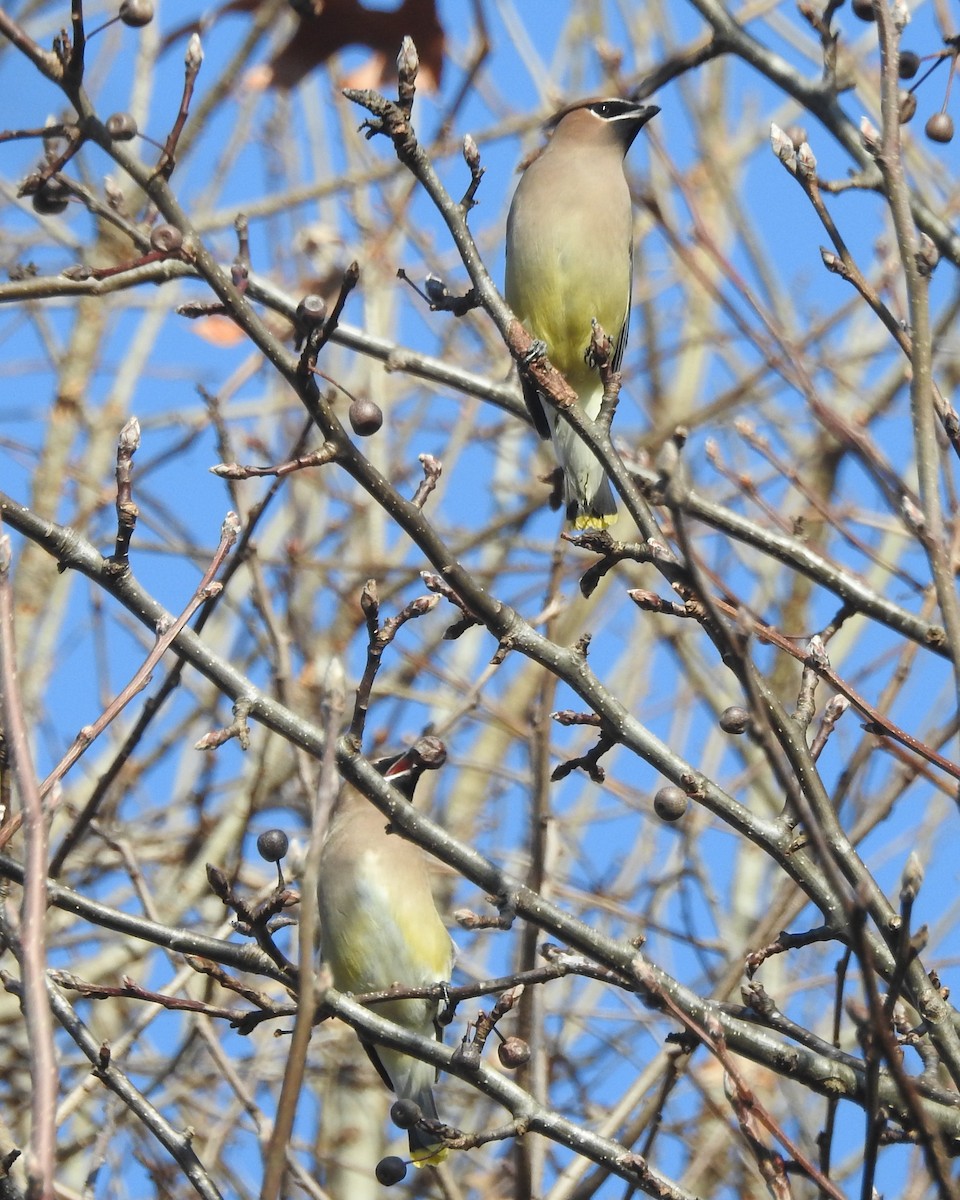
[(428, 1157), (590, 521)]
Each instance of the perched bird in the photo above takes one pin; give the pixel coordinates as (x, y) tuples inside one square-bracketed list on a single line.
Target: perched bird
[(569, 262), (379, 925)]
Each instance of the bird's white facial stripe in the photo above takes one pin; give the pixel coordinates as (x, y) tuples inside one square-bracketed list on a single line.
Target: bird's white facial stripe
[(609, 111)]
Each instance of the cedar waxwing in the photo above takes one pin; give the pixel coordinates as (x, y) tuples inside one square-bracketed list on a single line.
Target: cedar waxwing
[(570, 261), (379, 926)]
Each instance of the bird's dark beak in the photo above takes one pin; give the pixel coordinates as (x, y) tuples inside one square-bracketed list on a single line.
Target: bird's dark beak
[(630, 123)]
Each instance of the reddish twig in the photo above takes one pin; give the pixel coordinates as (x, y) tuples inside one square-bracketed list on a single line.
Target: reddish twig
[(715, 1041), (378, 638), (192, 63)]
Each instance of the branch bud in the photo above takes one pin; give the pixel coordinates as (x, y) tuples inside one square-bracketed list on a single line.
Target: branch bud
[(806, 162), (129, 440), (408, 61), (913, 515), (370, 599), (230, 527), (869, 136), (912, 878), (835, 708), (783, 148), (471, 153), (408, 64), (817, 651), (832, 261), (422, 605), (927, 256), (194, 55), (907, 106)]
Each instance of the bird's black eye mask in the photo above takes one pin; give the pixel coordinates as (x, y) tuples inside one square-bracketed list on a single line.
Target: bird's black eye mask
[(611, 109), (608, 109)]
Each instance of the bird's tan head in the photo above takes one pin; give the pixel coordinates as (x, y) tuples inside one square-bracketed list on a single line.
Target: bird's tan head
[(602, 121)]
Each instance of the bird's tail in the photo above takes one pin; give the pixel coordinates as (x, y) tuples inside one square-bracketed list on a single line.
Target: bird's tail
[(425, 1149), (587, 493), (596, 512)]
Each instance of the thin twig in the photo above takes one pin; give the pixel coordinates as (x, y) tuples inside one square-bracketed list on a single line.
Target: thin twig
[(165, 639), (41, 1164), (334, 702)]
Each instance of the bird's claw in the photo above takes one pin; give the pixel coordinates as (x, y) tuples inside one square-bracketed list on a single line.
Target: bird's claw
[(537, 351)]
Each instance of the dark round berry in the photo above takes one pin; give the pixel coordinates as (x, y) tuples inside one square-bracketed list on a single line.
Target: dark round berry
[(390, 1170), (121, 127), (939, 128), (166, 238), (365, 417), (909, 64), (311, 311), (136, 13), (670, 803), (734, 719), (405, 1113), (272, 845), (864, 10), (513, 1052), (50, 198), (908, 106)]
